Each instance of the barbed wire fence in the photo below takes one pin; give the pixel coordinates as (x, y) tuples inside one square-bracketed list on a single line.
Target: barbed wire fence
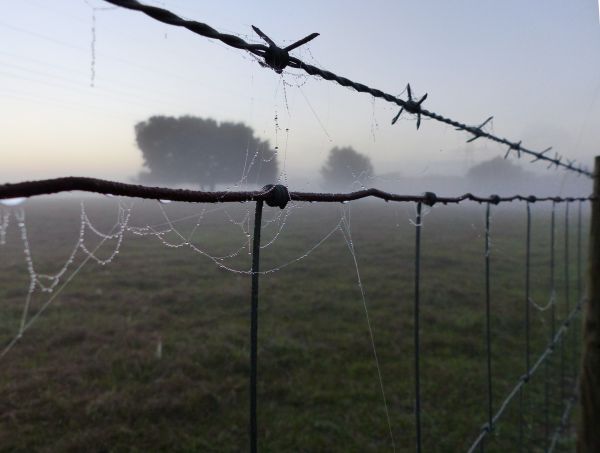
[(562, 324), (278, 59)]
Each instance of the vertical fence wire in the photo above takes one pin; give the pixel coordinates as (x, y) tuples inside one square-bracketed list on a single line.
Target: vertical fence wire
[(546, 408), (547, 376), (527, 291), (254, 327), (552, 273), (547, 439), (521, 420), (567, 264), (564, 344), (417, 345), (488, 334), (577, 325), (579, 255), (522, 417)]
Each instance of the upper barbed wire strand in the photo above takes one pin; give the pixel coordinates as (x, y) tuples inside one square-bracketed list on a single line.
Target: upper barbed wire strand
[(167, 17)]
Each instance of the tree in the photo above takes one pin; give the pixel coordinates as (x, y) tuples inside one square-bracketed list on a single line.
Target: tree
[(345, 166), (201, 151), (497, 175)]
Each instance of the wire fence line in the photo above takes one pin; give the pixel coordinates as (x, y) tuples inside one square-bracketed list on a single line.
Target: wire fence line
[(558, 337), (279, 196), (278, 59)]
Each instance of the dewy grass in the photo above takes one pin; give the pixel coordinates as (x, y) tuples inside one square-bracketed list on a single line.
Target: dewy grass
[(87, 375)]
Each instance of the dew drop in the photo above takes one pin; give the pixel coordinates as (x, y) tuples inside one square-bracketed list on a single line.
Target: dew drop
[(159, 349), (164, 201)]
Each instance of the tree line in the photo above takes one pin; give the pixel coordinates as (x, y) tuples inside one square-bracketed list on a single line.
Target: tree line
[(203, 152)]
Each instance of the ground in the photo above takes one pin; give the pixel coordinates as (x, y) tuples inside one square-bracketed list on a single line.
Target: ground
[(150, 352)]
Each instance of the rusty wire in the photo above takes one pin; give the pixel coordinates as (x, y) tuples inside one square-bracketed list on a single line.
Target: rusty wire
[(273, 195)]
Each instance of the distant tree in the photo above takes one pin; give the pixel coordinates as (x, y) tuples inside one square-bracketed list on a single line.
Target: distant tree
[(498, 174), (345, 166), (201, 151)]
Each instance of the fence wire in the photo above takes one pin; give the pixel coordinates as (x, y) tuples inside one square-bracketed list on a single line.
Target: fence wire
[(273, 195)]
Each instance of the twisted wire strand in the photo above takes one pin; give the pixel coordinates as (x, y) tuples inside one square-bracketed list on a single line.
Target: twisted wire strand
[(202, 29)]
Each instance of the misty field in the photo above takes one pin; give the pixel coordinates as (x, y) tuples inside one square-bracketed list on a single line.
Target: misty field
[(150, 352)]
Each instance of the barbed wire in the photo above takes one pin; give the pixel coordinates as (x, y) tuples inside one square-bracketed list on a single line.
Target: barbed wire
[(273, 195), (278, 58)]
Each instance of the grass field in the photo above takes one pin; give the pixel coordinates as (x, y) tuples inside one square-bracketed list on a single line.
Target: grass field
[(150, 352)]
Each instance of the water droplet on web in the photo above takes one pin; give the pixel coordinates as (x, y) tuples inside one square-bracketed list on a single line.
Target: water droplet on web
[(164, 201), (12, 201), (159, 349)]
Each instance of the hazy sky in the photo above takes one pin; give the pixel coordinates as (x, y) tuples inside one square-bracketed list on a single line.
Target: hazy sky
[(533, 64)]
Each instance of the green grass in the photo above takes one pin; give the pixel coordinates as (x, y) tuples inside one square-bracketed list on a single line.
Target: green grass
[(86, 376)]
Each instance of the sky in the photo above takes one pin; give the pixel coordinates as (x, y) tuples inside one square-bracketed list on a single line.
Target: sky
[(72, 87)]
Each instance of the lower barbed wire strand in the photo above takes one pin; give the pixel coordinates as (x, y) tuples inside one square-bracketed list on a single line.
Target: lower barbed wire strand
[(94, 185)]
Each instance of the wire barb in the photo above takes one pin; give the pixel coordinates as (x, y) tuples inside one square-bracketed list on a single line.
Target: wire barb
[(514, 146), (556, 161), (275, 57), (540, 155), (477, 131), (411, 106)]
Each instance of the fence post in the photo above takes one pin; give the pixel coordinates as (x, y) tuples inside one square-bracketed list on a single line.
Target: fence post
[(588, 439), (254, 326)]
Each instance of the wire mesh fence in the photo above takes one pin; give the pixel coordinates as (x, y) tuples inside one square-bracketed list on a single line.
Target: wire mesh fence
[(534, 412)]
